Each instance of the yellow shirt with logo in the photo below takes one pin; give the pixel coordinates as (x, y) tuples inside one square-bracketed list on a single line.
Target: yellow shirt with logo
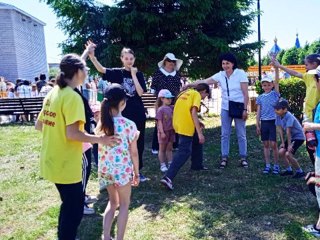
[(61, 158), (182, 118), (312, 94)]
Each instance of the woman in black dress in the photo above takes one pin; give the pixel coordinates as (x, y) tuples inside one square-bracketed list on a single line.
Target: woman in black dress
[(166, 77)]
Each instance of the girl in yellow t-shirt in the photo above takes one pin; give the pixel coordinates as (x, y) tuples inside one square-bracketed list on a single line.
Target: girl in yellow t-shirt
[(312, 61), (61, 121), (118, 166)]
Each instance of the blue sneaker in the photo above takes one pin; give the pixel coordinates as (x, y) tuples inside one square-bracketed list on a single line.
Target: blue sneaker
[(143, 178), (266, 170), (276, 170)]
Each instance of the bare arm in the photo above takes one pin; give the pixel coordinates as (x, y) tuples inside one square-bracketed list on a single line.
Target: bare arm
[(134, 155), (160, 127), (280, 131), (208, 81), (308, 126), (38, 125), (90, 51), (276, 80), (276, 64), (73, 133), (288, 131), (245, 92), (197, 124), (136, 81), (258, 119)]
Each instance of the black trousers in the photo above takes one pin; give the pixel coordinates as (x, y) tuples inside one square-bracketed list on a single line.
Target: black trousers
[(141, 126), (311, 155), (95, 153), (86, 168), (71, 210)]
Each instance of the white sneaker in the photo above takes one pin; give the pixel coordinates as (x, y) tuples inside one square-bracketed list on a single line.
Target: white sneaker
[(154, 152), (90, 199), (163, 168), (88, 210)]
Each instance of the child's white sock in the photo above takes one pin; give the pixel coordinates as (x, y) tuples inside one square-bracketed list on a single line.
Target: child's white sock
[(276, 166), (289, 168), (268, 165), (299, 170)]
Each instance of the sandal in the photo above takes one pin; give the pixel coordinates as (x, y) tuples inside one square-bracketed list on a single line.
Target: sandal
[(223, 162), (244, 163)]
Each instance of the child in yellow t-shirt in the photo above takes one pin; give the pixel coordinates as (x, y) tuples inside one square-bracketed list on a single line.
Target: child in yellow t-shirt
[(187, 125), (61, 121)]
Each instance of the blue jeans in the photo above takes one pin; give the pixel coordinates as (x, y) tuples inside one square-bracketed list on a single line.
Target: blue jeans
[(226, 125), (188, 146)]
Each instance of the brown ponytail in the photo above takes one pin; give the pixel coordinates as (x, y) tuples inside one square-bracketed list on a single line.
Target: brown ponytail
[(61, 81), (69, 66)]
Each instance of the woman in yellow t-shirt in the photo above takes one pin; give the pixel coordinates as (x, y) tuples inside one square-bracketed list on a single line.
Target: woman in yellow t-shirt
[(61, 121), (312, 98)]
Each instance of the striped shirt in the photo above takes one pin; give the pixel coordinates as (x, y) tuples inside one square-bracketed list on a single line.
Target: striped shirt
[(267, 102)]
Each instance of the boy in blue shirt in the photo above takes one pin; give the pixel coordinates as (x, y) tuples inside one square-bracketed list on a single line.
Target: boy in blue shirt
[(265, 121), (287, 123)]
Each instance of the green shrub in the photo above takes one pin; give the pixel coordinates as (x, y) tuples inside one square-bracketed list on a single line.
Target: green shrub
[(294, 90)]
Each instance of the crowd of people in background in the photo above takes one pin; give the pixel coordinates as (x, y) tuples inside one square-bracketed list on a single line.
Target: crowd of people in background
[(108, 120)]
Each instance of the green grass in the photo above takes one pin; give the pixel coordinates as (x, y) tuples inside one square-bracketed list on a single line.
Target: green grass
[(233, 203)]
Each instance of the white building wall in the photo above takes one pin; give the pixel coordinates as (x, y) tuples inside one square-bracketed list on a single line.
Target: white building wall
[(8, 61), (25, 47)]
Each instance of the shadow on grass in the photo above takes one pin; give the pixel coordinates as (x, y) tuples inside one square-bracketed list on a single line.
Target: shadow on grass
[(233, 203)]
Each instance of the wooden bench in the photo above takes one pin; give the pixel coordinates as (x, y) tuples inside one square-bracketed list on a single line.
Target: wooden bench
[(149, 101), (17, 106)]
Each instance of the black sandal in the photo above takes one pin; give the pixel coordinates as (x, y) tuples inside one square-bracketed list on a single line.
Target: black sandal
[(223, 162), (244, 163)]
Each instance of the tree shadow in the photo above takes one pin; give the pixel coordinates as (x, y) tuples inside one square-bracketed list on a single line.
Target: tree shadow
[(233, 203)]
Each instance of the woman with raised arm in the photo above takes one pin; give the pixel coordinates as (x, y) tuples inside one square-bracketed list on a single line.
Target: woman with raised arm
[(234, 87), (134, 84)]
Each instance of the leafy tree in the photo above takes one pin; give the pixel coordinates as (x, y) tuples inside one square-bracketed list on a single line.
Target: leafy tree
[(314, 48), (197, 31), (293, 56), (265, 61)]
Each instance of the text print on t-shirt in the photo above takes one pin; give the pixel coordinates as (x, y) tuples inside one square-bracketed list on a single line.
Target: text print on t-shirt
[(129, 87), (48, 114)]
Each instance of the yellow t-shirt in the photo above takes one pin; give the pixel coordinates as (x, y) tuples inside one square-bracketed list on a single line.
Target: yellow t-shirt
[(182, 118), (312, 94), (61, 158)]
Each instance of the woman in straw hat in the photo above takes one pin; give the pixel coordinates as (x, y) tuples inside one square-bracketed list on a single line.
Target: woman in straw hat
[(166, 77)]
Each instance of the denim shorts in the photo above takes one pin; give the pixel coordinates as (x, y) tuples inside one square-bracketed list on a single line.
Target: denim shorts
[(268, 130)]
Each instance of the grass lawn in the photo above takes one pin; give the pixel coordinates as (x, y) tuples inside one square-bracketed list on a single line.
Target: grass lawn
[(233, 203)]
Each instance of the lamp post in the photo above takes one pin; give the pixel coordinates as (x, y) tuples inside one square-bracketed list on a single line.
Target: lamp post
[(259, 39)]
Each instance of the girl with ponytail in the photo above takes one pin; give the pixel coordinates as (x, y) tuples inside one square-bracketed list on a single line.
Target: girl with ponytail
[(118, 166), (61, 122)]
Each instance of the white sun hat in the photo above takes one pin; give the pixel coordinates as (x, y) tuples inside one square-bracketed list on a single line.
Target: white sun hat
[(172, 57)]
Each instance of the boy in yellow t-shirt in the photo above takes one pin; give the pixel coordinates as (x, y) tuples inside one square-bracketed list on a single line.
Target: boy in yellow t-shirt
[(189, 128)]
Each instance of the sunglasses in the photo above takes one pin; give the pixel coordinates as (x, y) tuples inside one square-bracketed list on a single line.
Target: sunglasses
[(171, 61)]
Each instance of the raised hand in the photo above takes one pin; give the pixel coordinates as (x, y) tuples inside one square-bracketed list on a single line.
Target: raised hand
[(134, 70), (90, 47), (275, 63)]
